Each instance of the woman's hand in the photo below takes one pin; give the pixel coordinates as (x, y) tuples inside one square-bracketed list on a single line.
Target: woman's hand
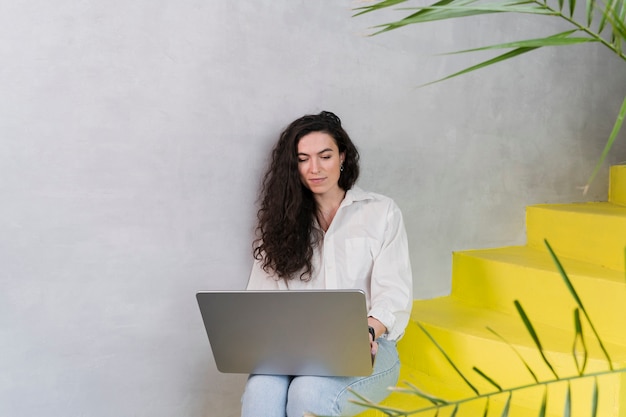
[(379, 329), (373, 347)]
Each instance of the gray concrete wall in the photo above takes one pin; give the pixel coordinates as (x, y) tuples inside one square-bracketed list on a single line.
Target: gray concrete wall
[(133, 135)]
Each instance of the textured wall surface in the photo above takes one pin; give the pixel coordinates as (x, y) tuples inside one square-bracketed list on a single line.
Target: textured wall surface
[(133, 135)]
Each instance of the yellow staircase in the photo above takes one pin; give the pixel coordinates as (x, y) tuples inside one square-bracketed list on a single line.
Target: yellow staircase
[(478, 325)]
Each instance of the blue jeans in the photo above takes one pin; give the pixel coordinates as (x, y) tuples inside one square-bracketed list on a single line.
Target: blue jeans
[(289, 396)]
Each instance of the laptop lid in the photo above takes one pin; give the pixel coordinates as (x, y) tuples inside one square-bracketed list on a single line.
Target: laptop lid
[(288, 332)]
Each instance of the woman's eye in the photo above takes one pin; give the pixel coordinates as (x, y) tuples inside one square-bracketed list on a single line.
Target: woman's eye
[(326, 157)]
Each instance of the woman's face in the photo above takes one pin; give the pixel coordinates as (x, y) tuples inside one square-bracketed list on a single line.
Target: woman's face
[(319, 162)]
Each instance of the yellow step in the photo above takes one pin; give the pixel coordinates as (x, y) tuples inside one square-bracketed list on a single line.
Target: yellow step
[(617, 184), (460, 331), (494, 278), (590, 232)]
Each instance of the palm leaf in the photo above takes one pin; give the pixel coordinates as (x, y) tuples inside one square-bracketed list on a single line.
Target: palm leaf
[(544, 403), (572, 7), (574, 294), (488, 379), (594, 398), (364, 402), (579, 339), (616, 20), (416, 391), (427, 15), (535, 337), (590, 9), (400, 23), (499, 58), (520, 357), (378, 6), (606, 13), (455, 11), (567, 409), (448, 359), (507, 406), (521, 47), (446, 10), (560, 39)]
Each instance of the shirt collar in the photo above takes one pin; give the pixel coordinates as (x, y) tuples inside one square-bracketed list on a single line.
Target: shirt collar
[(355, 194)]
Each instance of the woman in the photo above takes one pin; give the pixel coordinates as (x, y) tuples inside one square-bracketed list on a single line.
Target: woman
[(317, 230)]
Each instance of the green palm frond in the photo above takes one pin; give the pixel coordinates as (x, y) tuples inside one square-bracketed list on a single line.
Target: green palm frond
[(449, 360), (519, 356), (603, 22), (445, 10), (560, 39), (594, 401), (579, 344), (488, 379), (521, 47), (576, 297), (535, 337)]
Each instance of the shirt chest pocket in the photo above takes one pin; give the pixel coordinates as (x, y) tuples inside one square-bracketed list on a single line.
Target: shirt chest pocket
[(359, 259)]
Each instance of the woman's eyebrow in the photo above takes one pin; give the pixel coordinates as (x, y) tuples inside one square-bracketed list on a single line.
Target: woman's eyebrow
[(319, 153)]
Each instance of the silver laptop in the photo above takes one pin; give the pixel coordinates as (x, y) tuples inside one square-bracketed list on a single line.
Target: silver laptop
[(288, 332)]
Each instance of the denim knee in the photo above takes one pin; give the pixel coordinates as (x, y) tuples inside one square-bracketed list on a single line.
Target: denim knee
[(265, 395), (309, 394)]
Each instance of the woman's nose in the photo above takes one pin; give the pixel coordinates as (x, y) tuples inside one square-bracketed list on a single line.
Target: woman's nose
[(314, 166)]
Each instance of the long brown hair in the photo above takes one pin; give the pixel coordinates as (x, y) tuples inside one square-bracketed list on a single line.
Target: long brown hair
[(286, 235)]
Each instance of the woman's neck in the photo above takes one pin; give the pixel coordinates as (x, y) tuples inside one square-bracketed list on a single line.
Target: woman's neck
[(327, 206)]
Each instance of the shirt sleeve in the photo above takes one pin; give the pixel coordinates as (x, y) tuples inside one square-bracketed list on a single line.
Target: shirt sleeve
[(261, 280), (392, 280)]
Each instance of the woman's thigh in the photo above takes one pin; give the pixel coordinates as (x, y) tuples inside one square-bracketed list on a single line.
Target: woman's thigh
[(331, 396), (265, 395)]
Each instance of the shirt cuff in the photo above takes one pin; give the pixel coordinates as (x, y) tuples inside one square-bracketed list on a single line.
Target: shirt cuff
[(384, 316)]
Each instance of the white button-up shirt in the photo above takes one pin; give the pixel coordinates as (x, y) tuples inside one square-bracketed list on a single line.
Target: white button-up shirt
[(364, 248)]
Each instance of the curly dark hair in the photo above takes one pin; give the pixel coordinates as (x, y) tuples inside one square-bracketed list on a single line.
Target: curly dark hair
[(286, 235)]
